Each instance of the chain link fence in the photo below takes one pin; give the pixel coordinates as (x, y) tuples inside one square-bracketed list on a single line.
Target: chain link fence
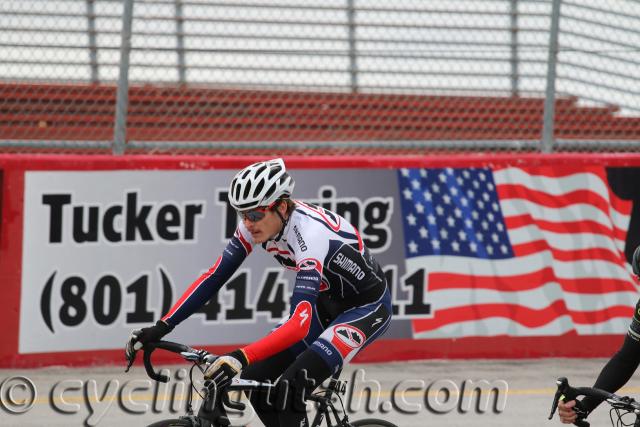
[(311, 76)]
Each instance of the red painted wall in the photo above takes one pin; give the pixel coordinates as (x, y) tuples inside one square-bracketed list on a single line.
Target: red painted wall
[(13, 167)]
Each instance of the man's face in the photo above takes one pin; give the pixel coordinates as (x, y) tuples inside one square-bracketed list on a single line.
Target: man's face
[(267, 227)]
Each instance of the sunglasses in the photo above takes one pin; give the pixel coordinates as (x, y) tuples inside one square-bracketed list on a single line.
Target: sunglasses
[(253, 215)]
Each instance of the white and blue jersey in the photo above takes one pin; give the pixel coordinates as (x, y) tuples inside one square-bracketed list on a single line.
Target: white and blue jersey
[(340, 300)]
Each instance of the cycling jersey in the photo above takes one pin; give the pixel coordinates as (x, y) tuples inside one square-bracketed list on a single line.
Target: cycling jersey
[(335, 273), (621, 366)]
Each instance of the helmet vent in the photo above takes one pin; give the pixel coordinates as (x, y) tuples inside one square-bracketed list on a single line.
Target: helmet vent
[(247, 190), (274, 171), (235, 188), (270, 191), (259, 187)]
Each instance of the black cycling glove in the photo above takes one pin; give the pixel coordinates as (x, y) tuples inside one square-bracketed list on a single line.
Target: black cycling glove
[(140, 337)]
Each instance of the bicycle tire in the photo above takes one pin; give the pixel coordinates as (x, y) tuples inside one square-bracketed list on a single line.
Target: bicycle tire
[(172, 423), (372, 422)]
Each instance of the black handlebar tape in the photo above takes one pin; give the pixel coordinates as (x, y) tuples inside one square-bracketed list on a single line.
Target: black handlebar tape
[(149, 368), (164, 345), (173, 347)]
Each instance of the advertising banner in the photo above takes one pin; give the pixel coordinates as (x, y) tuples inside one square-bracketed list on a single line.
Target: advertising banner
[(481, 258), (106, 252)]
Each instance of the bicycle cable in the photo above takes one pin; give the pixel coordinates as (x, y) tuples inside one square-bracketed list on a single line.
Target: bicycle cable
[(341, 402), (192, 388), (619, 422), (344, 411)]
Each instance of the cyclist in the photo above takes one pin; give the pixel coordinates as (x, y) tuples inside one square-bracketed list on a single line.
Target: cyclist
[(619, 369), (340, 301)]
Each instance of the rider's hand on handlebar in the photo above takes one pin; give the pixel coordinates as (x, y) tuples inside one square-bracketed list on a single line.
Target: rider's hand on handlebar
[(139, 337), (224, 368), (566, 413)]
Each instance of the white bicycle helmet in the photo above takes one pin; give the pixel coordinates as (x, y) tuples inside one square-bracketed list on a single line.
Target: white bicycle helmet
[(260, 184)]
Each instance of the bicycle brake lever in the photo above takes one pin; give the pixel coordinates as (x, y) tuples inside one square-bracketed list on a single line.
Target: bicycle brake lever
[(562, 384), (239, 406), (129, 364), (554, 405)]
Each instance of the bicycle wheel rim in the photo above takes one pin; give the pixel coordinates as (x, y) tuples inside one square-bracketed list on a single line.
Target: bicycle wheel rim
[(171, 423), (372, 422)]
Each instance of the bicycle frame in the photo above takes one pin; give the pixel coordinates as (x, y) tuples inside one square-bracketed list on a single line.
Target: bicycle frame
[(325, 403), (211, 412)]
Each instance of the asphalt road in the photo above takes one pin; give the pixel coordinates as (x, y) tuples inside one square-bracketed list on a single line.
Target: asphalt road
[(413, 394)]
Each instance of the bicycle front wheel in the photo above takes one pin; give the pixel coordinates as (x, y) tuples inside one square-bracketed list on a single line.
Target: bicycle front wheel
[(172, 423), (371, 422)]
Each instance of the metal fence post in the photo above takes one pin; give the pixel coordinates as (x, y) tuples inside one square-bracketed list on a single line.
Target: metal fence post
[(93, 45), (353, 60), (550, 93), (182, 67), (513, 12), (122, 97)]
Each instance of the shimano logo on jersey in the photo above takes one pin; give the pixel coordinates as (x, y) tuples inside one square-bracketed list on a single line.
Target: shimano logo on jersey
[(128, 220), (324, 348), (349, 266), (301, 243)]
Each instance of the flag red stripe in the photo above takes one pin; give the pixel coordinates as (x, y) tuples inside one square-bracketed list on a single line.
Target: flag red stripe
[(534, 247), (553, 171), (620, 234), (515, 191), (524, 282), (569, 227), (528, 317), (566, 255), (585, 226)]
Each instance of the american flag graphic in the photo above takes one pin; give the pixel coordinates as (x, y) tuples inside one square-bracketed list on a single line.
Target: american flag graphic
[(517, 251)]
